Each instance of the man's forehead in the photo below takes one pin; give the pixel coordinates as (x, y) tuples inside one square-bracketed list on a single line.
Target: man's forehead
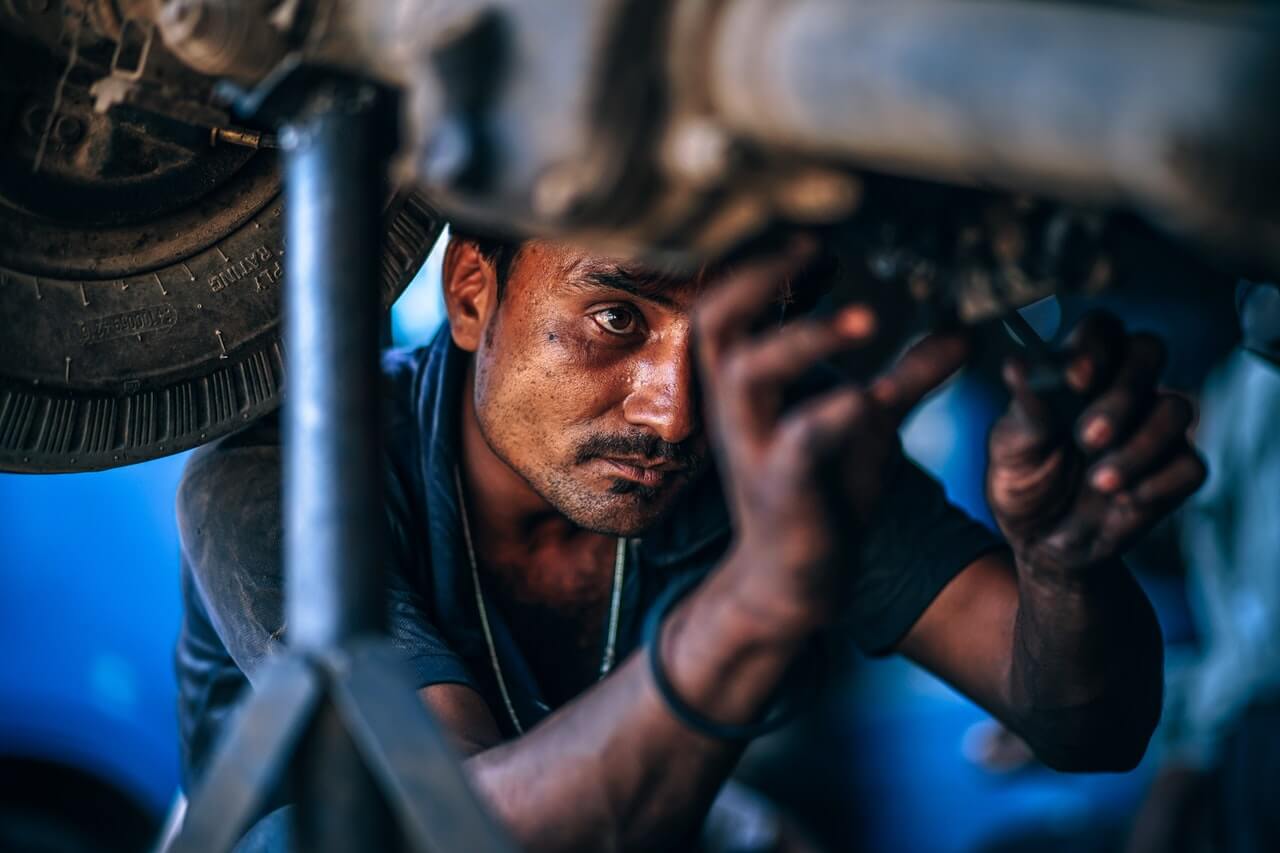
[(674, 287), (640, 280), (577, 270)]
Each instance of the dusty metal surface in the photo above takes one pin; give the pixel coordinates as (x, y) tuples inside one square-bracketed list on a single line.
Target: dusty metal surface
[(141, 248), (685, 126)]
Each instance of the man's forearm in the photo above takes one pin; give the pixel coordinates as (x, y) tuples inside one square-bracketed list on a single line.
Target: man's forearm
[(614, 768), (1087, 666)]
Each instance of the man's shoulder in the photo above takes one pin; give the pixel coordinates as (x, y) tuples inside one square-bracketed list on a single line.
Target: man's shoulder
[(413, 381), (231, 488), (244, 468), (414, 371), (240, 460), (405, 369)]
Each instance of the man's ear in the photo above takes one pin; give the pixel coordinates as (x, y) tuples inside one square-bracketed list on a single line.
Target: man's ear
[(470, 293)]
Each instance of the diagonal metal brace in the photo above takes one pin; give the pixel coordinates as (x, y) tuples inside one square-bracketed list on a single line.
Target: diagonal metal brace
[(417, 770), (251, 761)]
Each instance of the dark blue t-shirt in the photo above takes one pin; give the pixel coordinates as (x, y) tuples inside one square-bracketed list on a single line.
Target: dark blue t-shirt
[(230, 523)]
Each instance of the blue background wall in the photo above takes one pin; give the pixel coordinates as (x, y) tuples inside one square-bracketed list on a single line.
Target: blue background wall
[(89, 611)]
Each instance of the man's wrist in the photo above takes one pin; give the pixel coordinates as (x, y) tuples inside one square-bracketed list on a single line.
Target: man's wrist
[(759, 612), (1055, 572), (721, 657)]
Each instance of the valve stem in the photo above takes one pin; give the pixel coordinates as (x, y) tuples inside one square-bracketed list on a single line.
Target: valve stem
[(241, 137)]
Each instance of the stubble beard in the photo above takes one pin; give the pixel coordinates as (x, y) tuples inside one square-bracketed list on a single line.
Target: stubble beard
[(625, 508)]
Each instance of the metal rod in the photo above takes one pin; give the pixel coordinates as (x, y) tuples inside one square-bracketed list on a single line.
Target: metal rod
[(334, 168), (333, 490)]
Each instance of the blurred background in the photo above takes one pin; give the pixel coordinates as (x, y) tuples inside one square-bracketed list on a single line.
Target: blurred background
[(892, 761)]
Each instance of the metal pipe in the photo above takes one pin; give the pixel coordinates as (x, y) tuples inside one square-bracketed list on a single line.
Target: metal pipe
[(1172, 113), (333, 169), (335, 156)]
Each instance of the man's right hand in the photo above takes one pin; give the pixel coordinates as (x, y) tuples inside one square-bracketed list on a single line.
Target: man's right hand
[(801, 482)]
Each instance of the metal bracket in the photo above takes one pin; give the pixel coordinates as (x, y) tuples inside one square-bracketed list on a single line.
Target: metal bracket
[(148, 29), (416, 771)]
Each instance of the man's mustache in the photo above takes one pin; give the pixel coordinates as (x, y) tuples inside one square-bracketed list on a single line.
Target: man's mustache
[(647, 447)]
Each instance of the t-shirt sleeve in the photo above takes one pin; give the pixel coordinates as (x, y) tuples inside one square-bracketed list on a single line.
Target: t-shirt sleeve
[(918, 542), (230, 524)]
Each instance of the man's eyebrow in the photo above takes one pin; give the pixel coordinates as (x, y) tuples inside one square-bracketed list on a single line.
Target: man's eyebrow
[(640, 285)]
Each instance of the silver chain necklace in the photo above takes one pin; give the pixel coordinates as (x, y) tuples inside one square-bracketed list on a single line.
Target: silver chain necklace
[(615, 605)]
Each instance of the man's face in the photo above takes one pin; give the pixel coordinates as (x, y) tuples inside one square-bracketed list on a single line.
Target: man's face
[(584, 385)]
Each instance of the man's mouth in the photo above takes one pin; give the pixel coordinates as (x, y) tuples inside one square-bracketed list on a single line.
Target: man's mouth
[(646, 472)]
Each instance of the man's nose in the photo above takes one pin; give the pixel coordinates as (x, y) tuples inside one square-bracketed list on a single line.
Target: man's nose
[(663, 397)]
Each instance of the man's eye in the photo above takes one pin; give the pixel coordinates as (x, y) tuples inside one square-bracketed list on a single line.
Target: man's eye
[(618, 321)]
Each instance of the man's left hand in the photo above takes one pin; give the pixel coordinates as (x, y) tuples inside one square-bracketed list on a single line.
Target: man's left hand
[(1070, 497)]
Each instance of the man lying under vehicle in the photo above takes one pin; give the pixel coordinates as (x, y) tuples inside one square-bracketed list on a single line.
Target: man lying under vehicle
[(589, 445)]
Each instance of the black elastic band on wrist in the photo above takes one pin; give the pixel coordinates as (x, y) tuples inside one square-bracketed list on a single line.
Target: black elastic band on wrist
[(683, 712)]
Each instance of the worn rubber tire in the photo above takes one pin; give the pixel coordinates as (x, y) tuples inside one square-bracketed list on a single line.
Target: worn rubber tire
[(102, 371)]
